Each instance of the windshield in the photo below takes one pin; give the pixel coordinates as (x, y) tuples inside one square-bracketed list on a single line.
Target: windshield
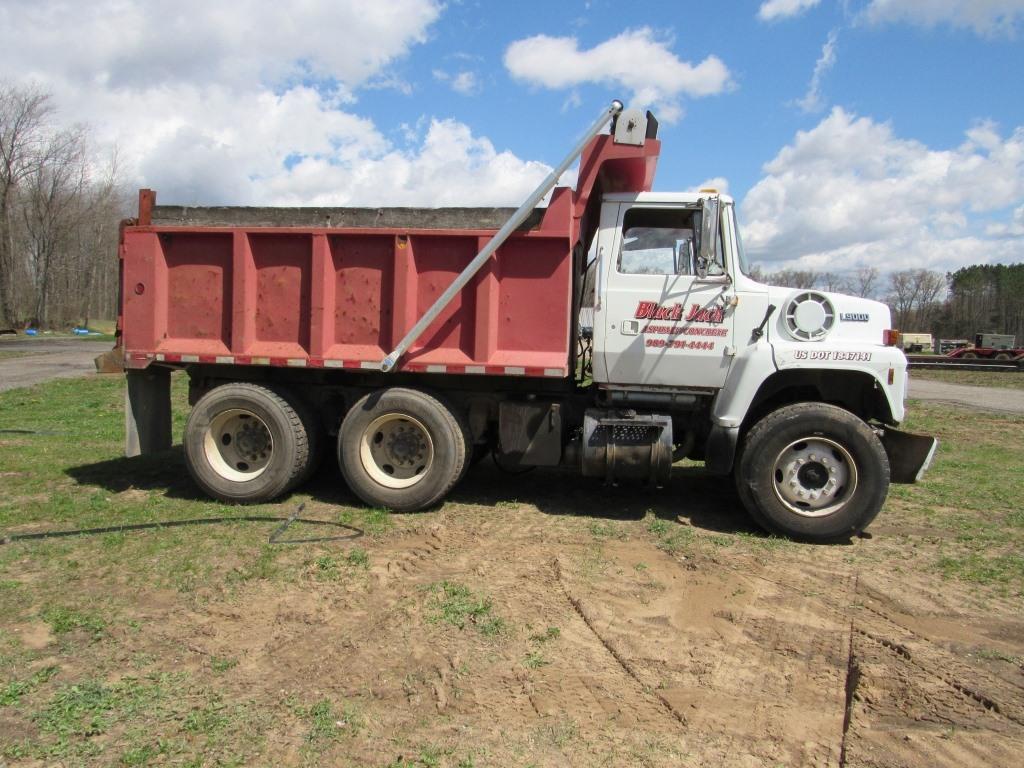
[(741, 255)]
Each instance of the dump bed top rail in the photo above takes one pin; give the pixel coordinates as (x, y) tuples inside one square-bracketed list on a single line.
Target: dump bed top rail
[(339, 218)]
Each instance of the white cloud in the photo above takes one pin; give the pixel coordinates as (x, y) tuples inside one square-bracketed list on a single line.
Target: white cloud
[(985, 17), (850, 193), (782, 9), (450, 167), (812, 102), (252, 103), (135, 46), (635, 60), (1012, 228), (466, 82)]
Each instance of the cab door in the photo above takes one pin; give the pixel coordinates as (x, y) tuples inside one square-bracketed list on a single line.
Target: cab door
[(657, 322)]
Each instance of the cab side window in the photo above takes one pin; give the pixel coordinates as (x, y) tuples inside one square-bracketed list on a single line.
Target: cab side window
[(663, 242), (658, 242)]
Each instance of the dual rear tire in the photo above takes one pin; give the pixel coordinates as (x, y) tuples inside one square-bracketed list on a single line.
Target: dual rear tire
[(250, 443), (398, 448), (402, 449)]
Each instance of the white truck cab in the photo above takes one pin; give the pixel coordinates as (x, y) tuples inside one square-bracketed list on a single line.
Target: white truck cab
[(677, 319)]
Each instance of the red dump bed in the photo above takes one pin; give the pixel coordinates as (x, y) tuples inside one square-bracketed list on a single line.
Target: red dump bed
[(337, 296)]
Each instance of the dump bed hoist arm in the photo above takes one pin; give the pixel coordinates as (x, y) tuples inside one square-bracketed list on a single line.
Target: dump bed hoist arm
[(510, 226)]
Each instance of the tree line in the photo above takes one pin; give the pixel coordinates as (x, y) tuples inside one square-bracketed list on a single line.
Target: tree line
[(59, 213), (956, 305)]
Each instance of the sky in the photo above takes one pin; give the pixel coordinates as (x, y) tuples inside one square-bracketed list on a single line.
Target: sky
[(852, 133)]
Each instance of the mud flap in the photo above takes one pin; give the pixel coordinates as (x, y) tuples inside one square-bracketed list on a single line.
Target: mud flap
[(720, 451), (909, 455), (147, 411)]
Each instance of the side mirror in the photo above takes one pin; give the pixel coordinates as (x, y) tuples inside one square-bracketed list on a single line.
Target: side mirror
[(708, 236)]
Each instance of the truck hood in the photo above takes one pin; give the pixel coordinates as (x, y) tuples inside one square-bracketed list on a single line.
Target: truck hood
[(810, 315)]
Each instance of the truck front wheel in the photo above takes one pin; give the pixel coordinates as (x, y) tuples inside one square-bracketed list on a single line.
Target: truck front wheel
[(246, 443), (812, 471), (402, 449)]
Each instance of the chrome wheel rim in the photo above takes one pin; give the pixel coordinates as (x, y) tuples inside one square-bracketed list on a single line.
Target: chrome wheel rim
[(238, 445), (814, 477), (396, 450)]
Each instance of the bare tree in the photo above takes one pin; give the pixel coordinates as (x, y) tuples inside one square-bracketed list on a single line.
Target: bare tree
[(914, 297), (863, 281), (55, 206), (832, 281), (794, 278), (23, 114)]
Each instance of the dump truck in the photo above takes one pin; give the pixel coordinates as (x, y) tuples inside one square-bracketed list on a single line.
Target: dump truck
[(613, 331)]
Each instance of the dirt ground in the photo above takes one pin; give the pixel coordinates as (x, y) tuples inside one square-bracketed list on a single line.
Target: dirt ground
[(621, 641)]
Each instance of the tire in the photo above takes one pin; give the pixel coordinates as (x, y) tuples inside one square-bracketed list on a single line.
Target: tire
[(969, 356), (812, 472), (314, 435), (1002, 356), (246, 443), (402, 449)]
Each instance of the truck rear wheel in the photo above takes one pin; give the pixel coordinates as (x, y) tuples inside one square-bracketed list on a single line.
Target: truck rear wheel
[(246, 443), (402, 449), (812, 471)]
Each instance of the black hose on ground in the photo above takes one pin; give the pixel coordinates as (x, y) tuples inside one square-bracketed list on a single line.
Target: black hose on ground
[(275, 536)]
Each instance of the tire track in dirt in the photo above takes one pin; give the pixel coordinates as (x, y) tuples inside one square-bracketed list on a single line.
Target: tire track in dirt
[(578, 681), (910, 701), (754, 679), (626, 666)]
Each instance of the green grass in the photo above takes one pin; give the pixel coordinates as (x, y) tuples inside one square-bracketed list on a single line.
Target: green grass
[(1002, 570), (535, 660), (669, 536), (551, 633), (65, 620), (151, 716), (221, 664), (14, 690), (333, 568), (459, 606), (1002, 380)]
